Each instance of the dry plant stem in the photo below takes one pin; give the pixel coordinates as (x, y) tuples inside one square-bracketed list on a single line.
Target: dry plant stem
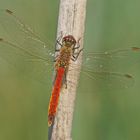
[(71, 22)]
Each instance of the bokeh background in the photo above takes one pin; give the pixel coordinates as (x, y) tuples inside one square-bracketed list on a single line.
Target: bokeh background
[(100, 113)]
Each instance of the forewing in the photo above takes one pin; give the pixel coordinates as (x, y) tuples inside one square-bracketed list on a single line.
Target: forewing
[(111, 59), (22, 48)]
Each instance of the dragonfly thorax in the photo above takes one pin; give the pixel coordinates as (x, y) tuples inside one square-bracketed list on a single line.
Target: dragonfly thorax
[(64, 57)]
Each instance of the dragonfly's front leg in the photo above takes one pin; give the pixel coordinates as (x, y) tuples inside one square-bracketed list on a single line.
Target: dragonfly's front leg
[(76, 54), (58, 42), (65, 80), (77, 44)]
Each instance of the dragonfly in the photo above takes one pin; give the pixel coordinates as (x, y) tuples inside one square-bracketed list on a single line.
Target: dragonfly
[(21, 41)]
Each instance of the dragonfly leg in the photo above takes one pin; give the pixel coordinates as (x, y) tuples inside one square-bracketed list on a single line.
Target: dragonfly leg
[(76, 55), (78, 44), (58, 42), (56, 48), (56, 57), (65, 80)]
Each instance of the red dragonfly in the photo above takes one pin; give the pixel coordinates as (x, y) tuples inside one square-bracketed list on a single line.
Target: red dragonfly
[(67, 53), (21, 41)]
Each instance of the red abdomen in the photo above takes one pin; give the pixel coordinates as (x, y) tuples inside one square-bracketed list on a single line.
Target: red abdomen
[(55, 95)]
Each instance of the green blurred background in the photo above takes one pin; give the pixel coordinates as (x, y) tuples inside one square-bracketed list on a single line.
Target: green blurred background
[(100, 114)]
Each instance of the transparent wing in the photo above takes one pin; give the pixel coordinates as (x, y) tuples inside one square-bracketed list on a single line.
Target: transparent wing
[(27, 63), (112, 59), (109, 69), (14, 29), (109, 80), (22, 48)]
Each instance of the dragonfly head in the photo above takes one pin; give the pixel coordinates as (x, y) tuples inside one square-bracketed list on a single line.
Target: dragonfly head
[(68, 41)]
